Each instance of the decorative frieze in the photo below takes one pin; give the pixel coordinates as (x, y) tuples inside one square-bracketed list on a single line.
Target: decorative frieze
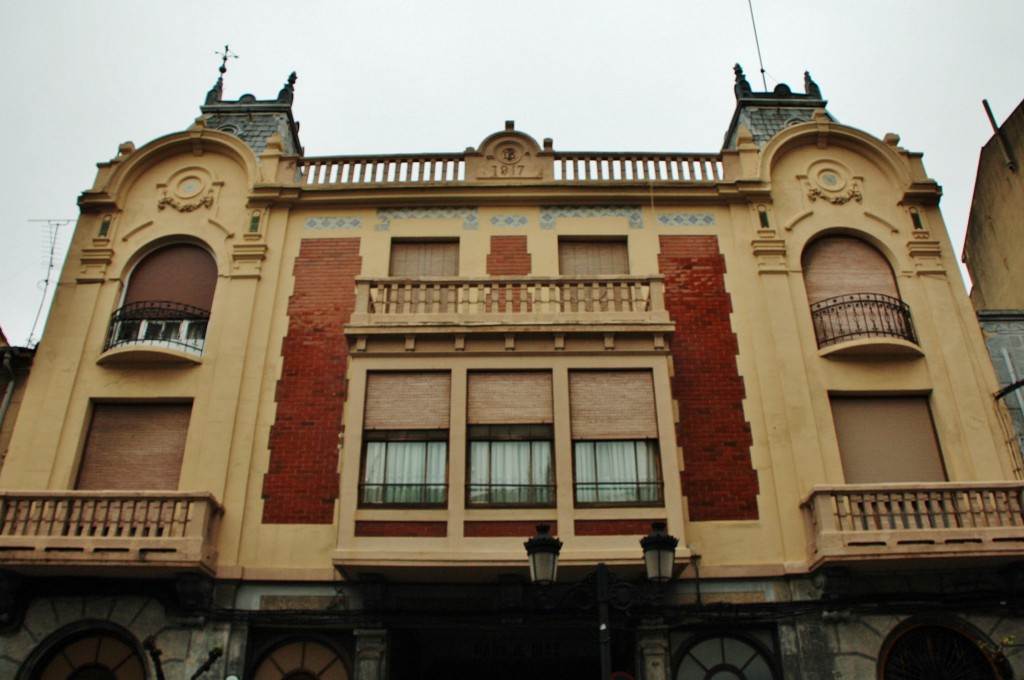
[(550, 214), (469, 216)]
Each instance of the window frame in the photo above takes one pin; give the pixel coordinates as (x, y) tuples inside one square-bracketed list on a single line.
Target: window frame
[(533, 435), (639, 484), (387, 437)]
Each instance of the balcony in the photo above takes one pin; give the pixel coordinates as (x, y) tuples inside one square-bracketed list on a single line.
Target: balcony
[(156, 331), (864, 323), (874, 523), (495, 303), (108, 533)]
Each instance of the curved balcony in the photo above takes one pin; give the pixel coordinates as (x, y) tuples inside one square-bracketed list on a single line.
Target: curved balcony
[(158, 325), (874, 321)]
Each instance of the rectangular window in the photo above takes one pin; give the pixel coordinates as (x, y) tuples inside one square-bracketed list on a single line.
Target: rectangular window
[(406, 467), (413, 259), (405, 435), (510, 465), (617, 472), (615, 432), (592, 258), (510, 438)]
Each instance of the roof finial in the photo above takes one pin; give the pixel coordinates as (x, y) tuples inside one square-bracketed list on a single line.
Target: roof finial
[(811, 87), (742, 87), (287, 93), (214, 95)]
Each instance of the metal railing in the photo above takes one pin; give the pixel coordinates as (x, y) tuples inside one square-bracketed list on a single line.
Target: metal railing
[(403, 494), (614, 493), (510, 494), (861, 315), (159, 324), (895, 518)]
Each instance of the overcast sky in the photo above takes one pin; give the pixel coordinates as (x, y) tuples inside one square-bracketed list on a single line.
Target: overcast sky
[(389, 76)]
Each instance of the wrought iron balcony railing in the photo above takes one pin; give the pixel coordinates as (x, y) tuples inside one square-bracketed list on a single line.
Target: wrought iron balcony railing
[(861, 315), (403, 494), (93, 530), (616, 493), (510, 494), (171, 325), (858, 522)]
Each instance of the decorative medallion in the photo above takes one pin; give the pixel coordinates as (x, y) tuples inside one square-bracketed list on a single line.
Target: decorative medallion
[(187, 190), (833, 183)]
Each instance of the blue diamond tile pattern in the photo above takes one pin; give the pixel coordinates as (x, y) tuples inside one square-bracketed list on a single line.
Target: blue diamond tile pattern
[(687, 219), (469, 216), (550, 214), (334, 223), (509, 220)]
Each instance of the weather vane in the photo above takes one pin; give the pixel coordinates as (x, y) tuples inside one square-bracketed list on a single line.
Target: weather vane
[(225, 55)]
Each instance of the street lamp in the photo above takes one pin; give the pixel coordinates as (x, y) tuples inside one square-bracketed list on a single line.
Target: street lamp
[(659, 564)]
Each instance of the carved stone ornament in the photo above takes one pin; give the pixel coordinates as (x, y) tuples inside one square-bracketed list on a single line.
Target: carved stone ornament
[(187, 190), (853, 193), (832, 182)]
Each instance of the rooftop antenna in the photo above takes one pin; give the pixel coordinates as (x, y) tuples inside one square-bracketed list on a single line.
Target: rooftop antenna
[(53, 228), (757, 42)]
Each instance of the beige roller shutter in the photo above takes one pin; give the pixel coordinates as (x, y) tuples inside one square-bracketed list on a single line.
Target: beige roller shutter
[(413, 259), (592, 258), (510, 398), (408, 401), (612, 405), (134, 446), (887, 439), (839, 265)]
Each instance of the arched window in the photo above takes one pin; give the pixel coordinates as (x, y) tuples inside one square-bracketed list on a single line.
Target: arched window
[(301, 660), (852, 292), (724, 657), (91, 655), (924, 652), (167, 301)]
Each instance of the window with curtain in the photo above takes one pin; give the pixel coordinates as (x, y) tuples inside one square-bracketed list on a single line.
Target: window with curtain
[(510, 465), (406, 467), (614, 431), (510, 438), (405, 439), (617, 472), (424, 258)]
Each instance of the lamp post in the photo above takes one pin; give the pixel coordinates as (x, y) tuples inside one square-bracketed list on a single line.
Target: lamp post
[(659, 550)]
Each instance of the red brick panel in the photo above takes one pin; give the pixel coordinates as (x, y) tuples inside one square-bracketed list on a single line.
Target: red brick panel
[(524, 529), (301, 484), (389, 529), (719, 480), (508, 257), (614, 527)]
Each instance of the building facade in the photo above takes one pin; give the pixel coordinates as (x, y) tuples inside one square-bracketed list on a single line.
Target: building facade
[(994, 257), (294, 417)]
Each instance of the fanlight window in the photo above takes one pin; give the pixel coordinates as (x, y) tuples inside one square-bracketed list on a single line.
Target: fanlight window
[(167, 302), (853, 293)]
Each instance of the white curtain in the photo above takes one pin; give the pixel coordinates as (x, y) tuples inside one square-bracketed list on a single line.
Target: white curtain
[(405, 472), (616, 471), (510, 471)]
